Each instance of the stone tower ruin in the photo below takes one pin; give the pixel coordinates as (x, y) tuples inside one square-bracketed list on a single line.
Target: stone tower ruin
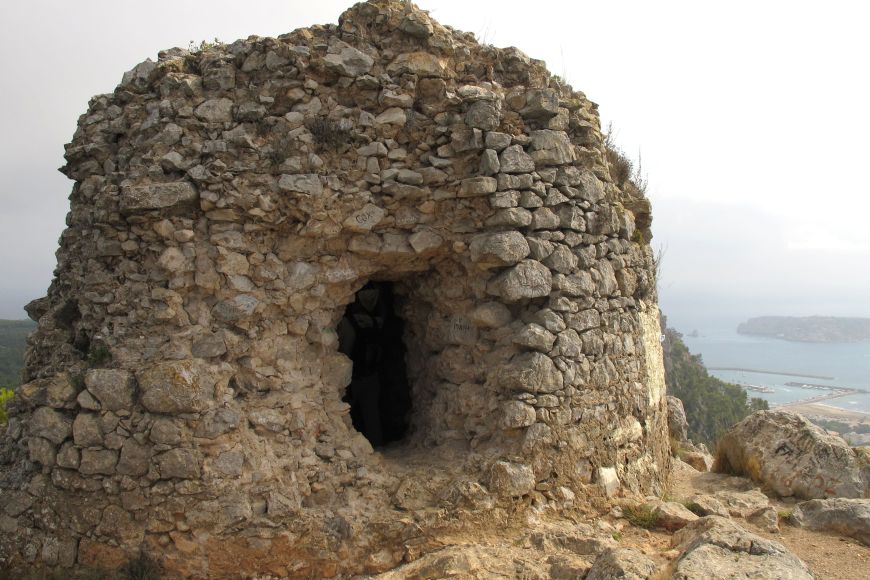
[(323, 295)]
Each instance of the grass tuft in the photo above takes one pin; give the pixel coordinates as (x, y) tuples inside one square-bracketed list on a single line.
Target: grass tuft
[(641, 515)]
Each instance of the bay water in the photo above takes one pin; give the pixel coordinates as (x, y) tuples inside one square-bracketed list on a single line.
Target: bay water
[(841, 365)]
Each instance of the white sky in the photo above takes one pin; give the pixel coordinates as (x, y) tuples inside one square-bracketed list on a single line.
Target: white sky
[(753, 119)]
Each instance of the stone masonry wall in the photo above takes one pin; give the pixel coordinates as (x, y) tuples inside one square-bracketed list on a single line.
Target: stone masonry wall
[(184, 387)]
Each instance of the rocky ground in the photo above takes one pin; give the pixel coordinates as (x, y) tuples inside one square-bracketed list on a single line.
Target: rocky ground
[(608, 545)]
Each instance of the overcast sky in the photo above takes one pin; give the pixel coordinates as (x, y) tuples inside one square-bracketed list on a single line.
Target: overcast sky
[(753, 120)]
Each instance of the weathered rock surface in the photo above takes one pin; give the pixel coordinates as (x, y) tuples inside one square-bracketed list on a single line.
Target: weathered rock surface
[(716, 548), (677, 423), (792, 456), (850, 517), (672, 516), (621, 563), (484, 562), (186, 391), (742, 503)]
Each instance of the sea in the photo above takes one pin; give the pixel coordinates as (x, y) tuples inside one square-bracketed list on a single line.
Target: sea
[(785, 363)]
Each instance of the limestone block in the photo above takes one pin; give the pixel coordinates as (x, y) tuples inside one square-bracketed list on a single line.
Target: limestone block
[(134, 459), (561, 259), (392, 116), (98, 461), (515, 217), (41, 451), (365, 218), (528, 279), (572, 217), (422, 64), (490, 315), (213, 424), (56, 392), (531, 372), (507, 181), (166, 431), (178, 463), (608, 480), (499, 249), (551, 148), (497, 141), (216, 110), (235, 308), (514, 159), (508, 479), (154, 196), (466, 139), (516, 414), (87, 431), (184, 386), (535, 337), (425, 241), (489, 163), (50, 424), (68, 457), (112, 387), (345, 60), (475, 186), (305, 183), (484, 115), (541, 104)]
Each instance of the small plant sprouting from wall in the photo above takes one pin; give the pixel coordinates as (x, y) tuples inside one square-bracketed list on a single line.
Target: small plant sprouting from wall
[(98, 356), (328, 132), (5, 395), (203, 45), (623, 171)]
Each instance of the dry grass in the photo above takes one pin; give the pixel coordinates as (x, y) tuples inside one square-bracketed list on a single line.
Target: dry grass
[(623, 171), (641, 515), (327, 132)]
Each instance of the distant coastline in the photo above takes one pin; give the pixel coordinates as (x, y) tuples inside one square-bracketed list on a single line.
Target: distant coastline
[(785, 374), (816, 329)]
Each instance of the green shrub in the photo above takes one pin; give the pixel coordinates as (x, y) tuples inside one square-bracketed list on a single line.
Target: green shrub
[(5, 395)]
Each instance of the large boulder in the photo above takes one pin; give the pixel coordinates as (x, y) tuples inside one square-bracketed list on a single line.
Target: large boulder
[(850, 517), (714, 547), (792, 457), (677, 423)]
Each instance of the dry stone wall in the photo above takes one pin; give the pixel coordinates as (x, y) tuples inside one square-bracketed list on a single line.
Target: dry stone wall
[(184, 387)]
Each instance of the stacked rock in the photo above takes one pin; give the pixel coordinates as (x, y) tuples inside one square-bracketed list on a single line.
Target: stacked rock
[(184, 391)]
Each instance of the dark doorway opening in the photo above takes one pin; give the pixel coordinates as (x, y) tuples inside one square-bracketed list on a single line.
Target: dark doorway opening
[(370, 333)]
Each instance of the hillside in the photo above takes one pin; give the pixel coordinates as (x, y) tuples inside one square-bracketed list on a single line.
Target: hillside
[(712, 405), (13, 336), (808, 328)]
